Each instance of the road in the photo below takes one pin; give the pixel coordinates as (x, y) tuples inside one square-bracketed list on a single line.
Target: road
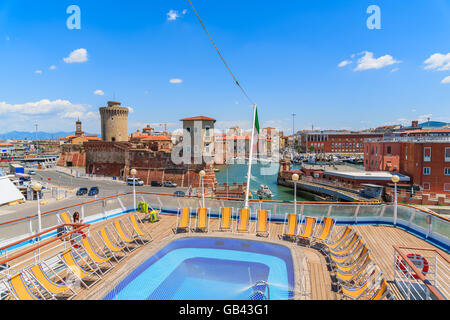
[(61, 180)]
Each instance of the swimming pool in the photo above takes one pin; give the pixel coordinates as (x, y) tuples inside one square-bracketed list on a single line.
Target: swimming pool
[(202, 268)]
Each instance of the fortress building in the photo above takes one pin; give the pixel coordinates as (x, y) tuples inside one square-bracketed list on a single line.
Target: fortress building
[(114, 122)]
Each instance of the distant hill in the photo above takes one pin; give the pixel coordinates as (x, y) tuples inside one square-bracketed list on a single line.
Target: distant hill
[(433, 124), (32, 135)]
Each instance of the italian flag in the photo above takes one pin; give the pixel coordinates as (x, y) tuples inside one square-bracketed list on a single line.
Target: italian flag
[(256, 132)]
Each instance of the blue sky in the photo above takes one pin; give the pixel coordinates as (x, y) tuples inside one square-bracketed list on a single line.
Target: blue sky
[(286, 54)]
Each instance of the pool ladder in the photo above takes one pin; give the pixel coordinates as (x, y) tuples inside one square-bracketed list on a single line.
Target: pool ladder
[(259, 291)]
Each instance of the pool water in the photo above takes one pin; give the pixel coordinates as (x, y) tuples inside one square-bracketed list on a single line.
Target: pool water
[(210, 269)]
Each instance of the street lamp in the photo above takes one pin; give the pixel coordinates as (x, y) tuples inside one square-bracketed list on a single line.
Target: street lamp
[(295, 178), (37, 187), (395, 180), (133, 173), (202, 174)]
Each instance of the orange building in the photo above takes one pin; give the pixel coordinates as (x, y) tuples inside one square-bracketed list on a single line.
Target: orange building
[(335, 141)]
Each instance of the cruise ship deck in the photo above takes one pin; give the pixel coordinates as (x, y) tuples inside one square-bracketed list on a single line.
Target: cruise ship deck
[(393, 249)]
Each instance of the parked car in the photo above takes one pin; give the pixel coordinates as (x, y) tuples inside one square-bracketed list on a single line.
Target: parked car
[(82, 191), (156, 184), (138, 182), (93, 191), (179, 193), (170, 184), (31, 172)]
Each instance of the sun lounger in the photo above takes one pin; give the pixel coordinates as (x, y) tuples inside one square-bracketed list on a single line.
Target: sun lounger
[(65, 218), (20, 290), (351, 264), (357, 292), (226, 219), (99, 260), (243, 220), (138, 230), (307, 230), (327, 229), (55, 289), (111, 247), (356, 274), (183, 220), (76, 269), (290, 226), (262, 226), (202, 221), (346, 246), (341, 239), (382, 292), (124, 238), (346, 254)]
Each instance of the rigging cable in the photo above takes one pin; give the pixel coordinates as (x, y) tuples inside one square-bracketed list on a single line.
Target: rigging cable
[(220, 55)]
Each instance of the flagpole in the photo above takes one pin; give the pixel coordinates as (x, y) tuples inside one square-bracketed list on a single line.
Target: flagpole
[(250, 158)]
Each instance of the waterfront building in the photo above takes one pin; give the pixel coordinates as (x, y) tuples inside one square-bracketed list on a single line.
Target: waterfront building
[(114, 122), (425, 159)]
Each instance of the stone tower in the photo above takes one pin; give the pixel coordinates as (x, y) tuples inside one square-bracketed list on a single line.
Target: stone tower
[(78, 130), (114, 121)]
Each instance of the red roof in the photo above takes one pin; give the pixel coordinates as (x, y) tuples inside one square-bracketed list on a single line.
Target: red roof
[(157, 138), (201, 118), (6, 144)]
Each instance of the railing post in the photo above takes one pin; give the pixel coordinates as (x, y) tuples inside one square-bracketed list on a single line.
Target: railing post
[(356, 213), (82, 212), (329, 210)]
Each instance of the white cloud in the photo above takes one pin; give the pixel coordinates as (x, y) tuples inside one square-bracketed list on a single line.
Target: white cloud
[(172, 15), (130, 109), (38, 72), (424, 118), (368, 62), (395, 69), (413, 110), (176, 81), (99, 93), (77, 56), (52, 68), (344, 63), (438, 61), (42, 107), (184, 11), (446, 80)]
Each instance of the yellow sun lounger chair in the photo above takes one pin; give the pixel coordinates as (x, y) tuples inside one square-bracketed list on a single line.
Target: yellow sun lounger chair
[(341, 240), (290, 226), (53, 288), (327, 229), (124, 238), (356, 274), (139, 231), (351, 266), (308, 229), (347, 245), (357, 292), (226, 219), (347, 254), (183, 220), (95, 257), (382, 292), (202, 221), (112, 248), (65, 218), (243, 220), (20, 290), (262, 226), (69, 260)]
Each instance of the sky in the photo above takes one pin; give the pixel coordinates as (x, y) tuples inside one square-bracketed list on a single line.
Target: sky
[(317, 59)]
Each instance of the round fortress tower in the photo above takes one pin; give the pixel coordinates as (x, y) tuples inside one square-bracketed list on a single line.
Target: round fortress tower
[(114, 121)]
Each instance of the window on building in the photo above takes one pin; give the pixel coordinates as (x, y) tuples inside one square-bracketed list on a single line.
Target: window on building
[(207, 131), (427, 154), (426, 186), (426, 171), (406, 153), (446, 186), (447, 154), (389, 150), (188, 129), (447, 171)]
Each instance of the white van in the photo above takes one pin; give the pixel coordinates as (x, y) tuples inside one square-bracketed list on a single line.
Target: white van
[(139, 182)]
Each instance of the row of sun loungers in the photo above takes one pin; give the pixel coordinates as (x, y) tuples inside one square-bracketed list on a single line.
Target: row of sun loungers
[(242, 224), (83, 264)]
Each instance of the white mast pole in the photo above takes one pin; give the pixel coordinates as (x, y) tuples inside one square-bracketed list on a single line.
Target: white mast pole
[(250, 158)]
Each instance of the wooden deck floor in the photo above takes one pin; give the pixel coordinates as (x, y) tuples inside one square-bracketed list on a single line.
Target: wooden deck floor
[(379, 239)]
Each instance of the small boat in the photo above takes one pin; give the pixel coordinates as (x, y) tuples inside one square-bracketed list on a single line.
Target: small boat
[(264, 192)]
